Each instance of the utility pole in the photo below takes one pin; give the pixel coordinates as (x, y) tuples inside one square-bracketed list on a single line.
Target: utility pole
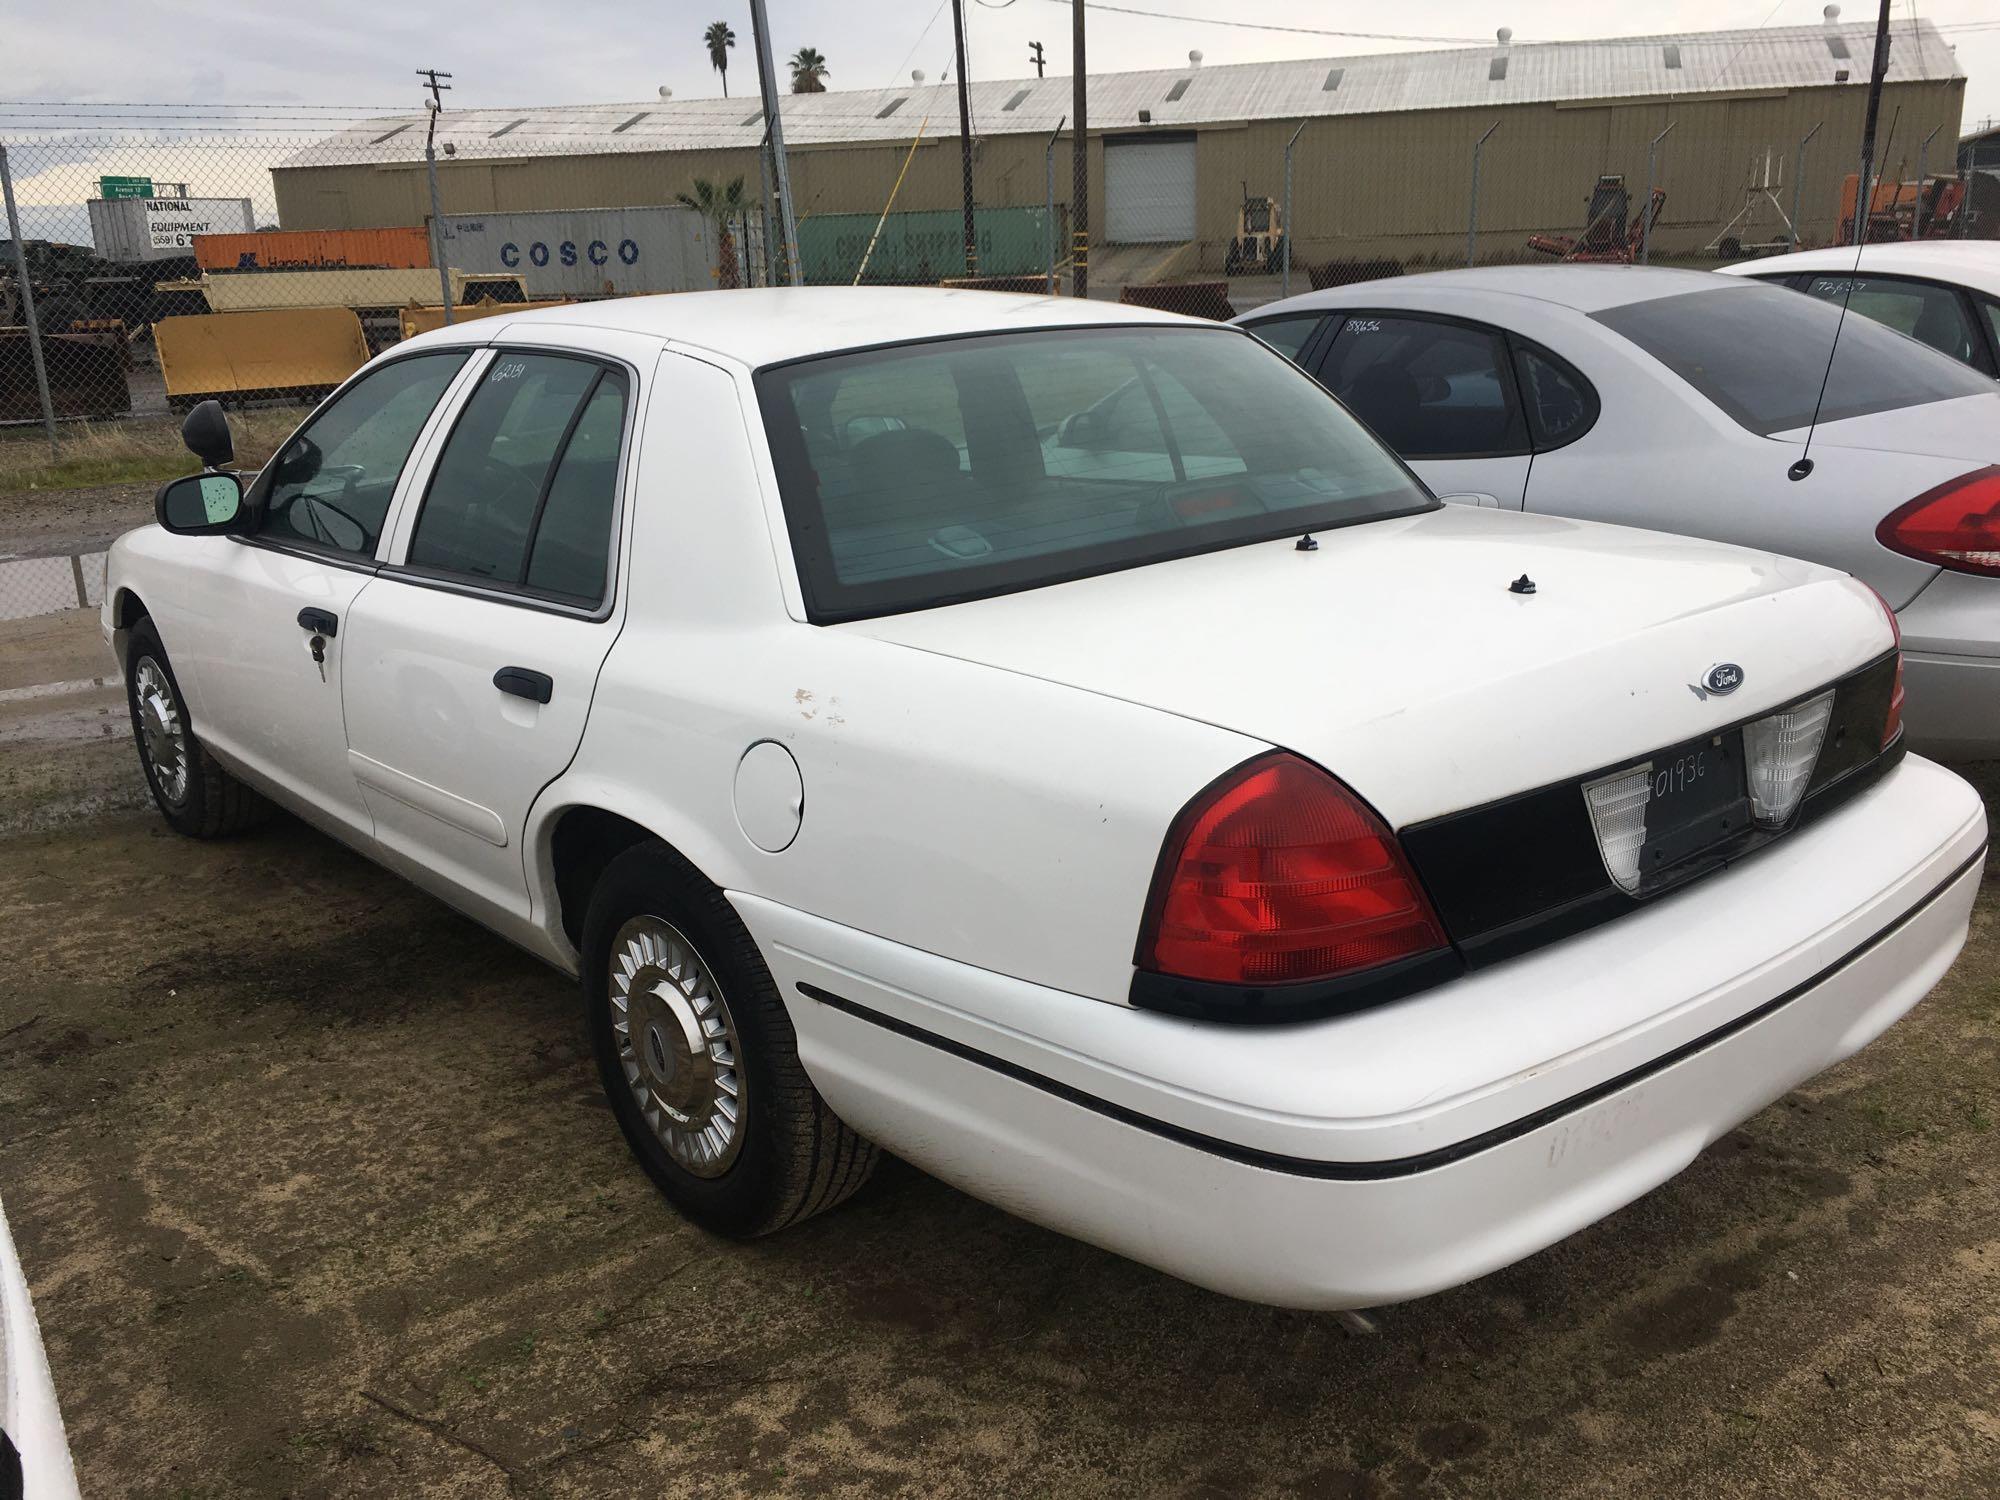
[(1864, 199), (436, 108), (965, 136), (1036, 59), (767, 84), (1079, 159)]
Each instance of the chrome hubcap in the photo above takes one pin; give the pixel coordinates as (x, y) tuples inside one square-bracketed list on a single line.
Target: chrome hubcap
[(162, 733), (677, 1046)]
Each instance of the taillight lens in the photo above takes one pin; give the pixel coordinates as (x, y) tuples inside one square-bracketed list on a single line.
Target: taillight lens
[(1956, 525), (1278, 874), (1892, 722)]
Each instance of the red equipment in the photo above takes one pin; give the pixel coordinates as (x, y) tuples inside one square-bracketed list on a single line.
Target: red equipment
[(1607, 238)]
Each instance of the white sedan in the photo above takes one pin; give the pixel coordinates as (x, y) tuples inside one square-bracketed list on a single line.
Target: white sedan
[(1685, 401), (1945, 293), (1162, 819)]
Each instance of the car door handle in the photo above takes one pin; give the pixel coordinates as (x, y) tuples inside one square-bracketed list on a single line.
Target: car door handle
[(319, 621), (536, 687)]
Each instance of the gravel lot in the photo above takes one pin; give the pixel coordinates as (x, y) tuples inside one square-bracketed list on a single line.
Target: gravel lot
[(317, 1197)]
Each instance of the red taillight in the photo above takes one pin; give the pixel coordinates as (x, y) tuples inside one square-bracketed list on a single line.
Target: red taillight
[(1956, 525), (1277, 874), (1892, 722)]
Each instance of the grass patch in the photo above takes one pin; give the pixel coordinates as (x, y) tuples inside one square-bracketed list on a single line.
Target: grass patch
[(137, 452)]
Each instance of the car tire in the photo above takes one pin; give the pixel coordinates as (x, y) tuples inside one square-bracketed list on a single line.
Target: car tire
[(192, 790), (698, 1056)]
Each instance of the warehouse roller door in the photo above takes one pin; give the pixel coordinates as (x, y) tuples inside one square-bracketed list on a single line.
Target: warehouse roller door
[(1148, 189)]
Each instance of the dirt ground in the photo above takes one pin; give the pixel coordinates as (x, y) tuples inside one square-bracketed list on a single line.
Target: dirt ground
[(317, 1196)]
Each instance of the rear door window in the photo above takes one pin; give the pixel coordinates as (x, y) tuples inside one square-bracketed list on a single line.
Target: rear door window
[(524, 492), (1561, 404), (1429, 389), (1760, 354), (1922, 310)]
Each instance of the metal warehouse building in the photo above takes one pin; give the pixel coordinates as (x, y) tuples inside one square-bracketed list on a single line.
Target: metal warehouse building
[(1382, 168)]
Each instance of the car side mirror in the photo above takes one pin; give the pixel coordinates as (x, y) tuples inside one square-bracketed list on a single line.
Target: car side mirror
[(205, 430), (1083, 429), (200, 504)]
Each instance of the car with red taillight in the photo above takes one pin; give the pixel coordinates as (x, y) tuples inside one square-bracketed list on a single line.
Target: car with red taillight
[(1056, 743), (1716, 406)]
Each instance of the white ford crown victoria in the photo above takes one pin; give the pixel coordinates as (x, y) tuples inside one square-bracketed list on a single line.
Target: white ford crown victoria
[(1159, 816)]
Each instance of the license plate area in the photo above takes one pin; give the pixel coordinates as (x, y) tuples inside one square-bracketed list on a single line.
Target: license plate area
[(1699, 799), (1667, 818)]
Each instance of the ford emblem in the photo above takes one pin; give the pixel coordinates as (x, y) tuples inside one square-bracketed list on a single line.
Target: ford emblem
[(1723, 678)]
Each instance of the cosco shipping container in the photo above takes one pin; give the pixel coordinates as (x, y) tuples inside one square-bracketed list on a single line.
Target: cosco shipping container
[(129, 229), (313, 249), (592, 252)]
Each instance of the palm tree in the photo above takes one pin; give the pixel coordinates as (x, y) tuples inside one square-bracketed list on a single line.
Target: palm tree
[(720, 39), (721, 207), (809, 71)]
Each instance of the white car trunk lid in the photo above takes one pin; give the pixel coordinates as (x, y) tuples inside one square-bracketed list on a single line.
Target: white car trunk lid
[(1397, 656)]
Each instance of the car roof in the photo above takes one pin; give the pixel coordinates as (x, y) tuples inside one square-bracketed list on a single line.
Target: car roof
[(1967, 262), (770, 325), (1586, 289)]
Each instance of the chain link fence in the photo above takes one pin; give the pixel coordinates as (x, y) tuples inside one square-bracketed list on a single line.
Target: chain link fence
[(168, 255)]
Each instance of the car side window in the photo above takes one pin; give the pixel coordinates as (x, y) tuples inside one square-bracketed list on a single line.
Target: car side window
[(1288, 335), (331, 485), (524, 492), (1428, 389), (1989, 308), (1926, 312), (1561, 404)]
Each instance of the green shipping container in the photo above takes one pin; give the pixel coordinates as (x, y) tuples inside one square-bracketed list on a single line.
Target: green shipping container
[(927, 246)]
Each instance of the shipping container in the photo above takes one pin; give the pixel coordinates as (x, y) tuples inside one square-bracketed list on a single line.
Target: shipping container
[(591, 252), (925, 247), (129, 229), (313, 249), (244, 291)]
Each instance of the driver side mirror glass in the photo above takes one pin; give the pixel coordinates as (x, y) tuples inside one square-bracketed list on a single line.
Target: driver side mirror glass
[(200, 504)]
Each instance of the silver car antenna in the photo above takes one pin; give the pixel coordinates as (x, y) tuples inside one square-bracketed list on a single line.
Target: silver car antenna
[(1864, 206)]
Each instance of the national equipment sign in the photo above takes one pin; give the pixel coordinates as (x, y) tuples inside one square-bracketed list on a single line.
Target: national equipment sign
[(172, 223)]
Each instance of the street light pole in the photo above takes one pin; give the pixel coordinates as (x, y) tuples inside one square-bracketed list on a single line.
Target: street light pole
[(767, 84)]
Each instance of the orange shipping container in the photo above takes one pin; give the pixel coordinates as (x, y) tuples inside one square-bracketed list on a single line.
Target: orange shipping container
[(296, 249)]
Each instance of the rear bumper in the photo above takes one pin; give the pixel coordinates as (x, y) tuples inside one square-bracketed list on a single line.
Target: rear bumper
[(1392, 1153)]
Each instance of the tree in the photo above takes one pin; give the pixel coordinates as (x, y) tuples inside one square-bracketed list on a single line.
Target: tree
[(721, 207), (809, 71), (720, 39)]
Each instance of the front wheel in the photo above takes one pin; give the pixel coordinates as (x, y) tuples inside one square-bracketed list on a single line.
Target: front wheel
[(192, 790), (698, 1055)]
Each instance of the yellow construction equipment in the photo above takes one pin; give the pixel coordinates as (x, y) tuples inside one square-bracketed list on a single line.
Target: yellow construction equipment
[(416, 320), (297, 352)]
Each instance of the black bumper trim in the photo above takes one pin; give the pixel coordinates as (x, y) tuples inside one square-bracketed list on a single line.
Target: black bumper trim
[(1404, 1166)]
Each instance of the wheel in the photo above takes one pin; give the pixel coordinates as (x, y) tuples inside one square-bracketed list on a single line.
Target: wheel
[(699, 1058), (1731, 247), (1233, 263), (194, 793)]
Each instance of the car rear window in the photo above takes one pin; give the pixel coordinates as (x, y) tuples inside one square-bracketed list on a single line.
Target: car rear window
[(927, 473), (1760, 353)]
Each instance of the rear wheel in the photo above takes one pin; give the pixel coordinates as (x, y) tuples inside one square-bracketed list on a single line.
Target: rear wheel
[(193, 792), (698, 1055)]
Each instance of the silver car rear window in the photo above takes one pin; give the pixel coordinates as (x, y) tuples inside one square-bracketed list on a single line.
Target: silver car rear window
[(1760, 353)]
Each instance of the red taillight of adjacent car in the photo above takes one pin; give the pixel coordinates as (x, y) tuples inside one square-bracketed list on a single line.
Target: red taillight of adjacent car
[(1278, 874), (1892, 722), (1956, 525)]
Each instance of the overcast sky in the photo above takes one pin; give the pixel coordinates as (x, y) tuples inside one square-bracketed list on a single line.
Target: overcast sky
[(361, 52)]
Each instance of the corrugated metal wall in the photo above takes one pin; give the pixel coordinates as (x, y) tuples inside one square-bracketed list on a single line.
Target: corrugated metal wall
[(1364, 186)]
